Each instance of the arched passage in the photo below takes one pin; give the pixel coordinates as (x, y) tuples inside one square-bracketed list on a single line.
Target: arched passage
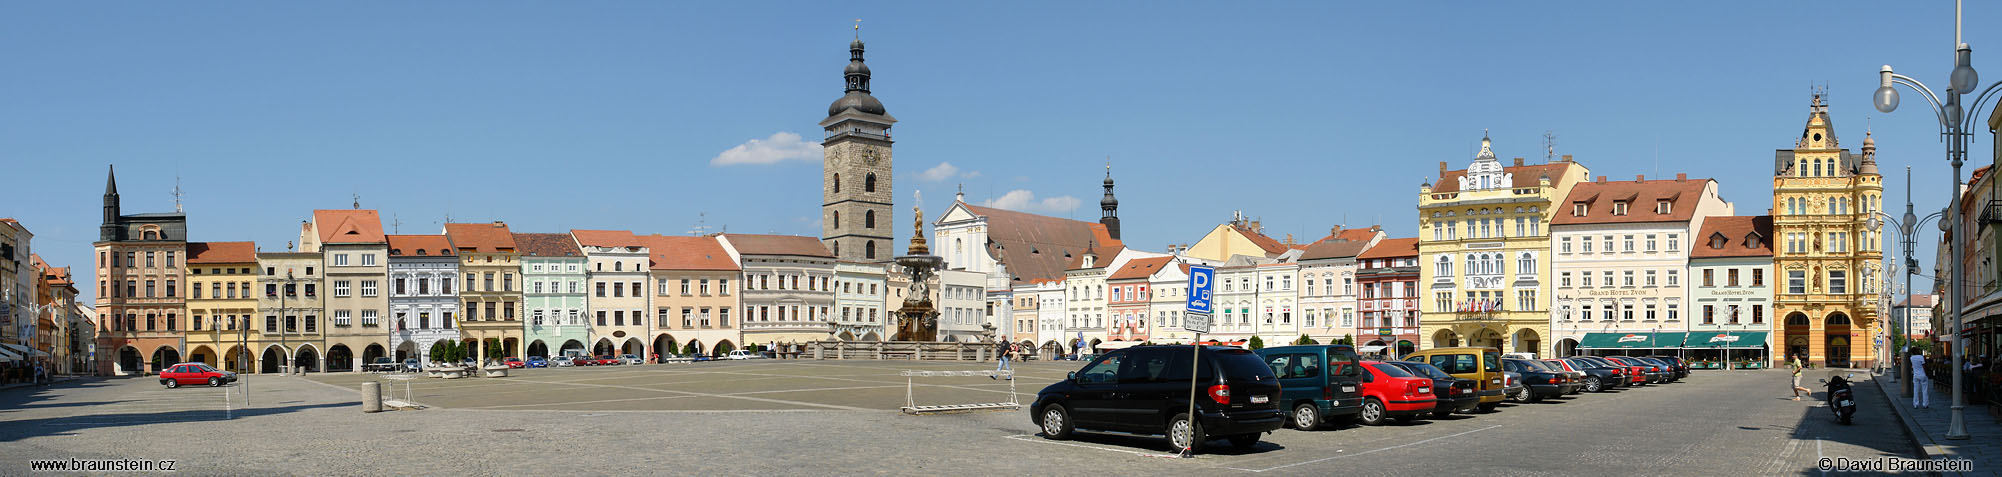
[(538, 348), (236, 361), (1527, 341), (845, 336), (603, 347), (1567, 347), (872, 336), (633, 346), (724, 347), (130, 361), (1406, 347), (272, 360), (1797, 325), (165, 356), (203, 354), (339, 358), (404, 350), (571, 346), (664, 344), (1445, 339), (308, 359), (511, 347), (1835, 328), (368, 355), (693, 347)]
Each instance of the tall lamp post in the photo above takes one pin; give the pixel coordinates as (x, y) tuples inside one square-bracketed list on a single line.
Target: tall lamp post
[(1907, 228), (1953, 127)]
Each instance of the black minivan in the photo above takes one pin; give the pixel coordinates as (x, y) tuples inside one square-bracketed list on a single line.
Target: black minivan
[(1145, 390)]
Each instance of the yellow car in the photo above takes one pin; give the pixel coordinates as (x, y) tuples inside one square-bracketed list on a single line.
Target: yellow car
[(1483, 365)]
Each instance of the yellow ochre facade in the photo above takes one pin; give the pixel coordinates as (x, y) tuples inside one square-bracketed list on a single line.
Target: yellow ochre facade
[(1826, 258)]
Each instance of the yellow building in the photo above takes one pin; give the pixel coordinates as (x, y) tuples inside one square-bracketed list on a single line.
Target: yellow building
[(1827, 258), (1240, 236), (1484, 248), (490, 297), (222, 301)]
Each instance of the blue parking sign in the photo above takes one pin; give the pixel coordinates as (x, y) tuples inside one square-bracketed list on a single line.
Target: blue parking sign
[(1202, 281)]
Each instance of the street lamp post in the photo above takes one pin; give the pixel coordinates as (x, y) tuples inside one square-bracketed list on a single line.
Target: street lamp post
[(1907, 228), (1952, 119)]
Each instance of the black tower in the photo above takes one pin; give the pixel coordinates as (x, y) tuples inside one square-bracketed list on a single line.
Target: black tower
[(1109, 207), (109, 230)]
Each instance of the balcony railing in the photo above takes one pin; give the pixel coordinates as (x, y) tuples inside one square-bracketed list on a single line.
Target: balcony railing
[(1992, 213)]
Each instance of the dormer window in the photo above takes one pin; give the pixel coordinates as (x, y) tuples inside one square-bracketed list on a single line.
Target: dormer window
[(1620, 207), (1717, 241), (1664, 207), (1752, 241), (1578, 209)]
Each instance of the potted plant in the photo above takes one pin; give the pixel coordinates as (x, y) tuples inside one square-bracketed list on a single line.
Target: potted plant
[(493, 366)]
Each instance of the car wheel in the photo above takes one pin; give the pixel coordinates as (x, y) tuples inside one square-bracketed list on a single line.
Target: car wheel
[(1306, 417), (171, 383), (1592, 384), (1372, 412), (215, 382), (1244, 441), (1489, 406), (1056, 422), (1528, 396), (1184, 433), (1442, 413)]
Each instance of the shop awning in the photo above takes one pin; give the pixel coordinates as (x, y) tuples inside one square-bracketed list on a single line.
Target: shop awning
[(1726, 339), (8, 356), (1642, 340)]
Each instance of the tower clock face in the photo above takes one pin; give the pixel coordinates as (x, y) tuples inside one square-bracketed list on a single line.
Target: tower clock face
[(869, 156)]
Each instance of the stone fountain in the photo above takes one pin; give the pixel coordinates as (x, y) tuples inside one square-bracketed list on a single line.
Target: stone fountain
[(918, 319)]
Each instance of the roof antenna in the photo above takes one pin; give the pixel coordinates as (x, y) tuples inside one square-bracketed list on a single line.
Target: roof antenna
[(177, 194), (395, 224), (1549, 145), (357, 200), (701, 224)]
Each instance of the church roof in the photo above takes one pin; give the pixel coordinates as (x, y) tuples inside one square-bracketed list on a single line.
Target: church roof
[(1038, 247)]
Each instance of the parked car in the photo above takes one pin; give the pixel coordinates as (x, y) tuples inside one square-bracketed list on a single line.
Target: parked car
[(630, 359), (1598, 377), (1646, 372), (1679, 365), (1144, 390), (411, 365), (1390, 392), (538, 362), (1483, 365), (195, 373), (742, 354), (1512, 387), (1454, 394), (1318, 383), (513, 362), (562, 362), (1538, 382), (1668, 368), (1574, 377), (1634, 374), (379, 365)]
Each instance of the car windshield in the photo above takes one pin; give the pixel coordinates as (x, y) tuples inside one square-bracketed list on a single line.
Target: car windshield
[(1491, 362), (1426, 370), (206, 368), (1392, 371), (1534, 365)]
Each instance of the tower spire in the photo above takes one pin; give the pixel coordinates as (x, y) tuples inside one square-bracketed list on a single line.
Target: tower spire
[(108, 230), (1109, 206)]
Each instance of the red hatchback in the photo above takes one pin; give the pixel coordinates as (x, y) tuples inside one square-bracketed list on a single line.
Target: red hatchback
[(195, 373), (1636, 374), (1391, 392), (606, 360), (515, 363)]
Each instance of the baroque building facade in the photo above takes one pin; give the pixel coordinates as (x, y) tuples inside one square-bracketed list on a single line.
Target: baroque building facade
[(139, 273), (423, 298)]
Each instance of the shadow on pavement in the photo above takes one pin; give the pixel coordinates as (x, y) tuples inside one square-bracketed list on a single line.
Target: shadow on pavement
[(1215, 446), (1874, 426), (22, 429)]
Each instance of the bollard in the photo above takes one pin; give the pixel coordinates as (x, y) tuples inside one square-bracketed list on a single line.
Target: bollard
[(371, 397)]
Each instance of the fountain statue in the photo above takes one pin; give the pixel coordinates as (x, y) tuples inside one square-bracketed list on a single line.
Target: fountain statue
[(918, 320)]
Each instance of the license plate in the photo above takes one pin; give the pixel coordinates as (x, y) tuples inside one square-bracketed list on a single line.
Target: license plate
[(1260, 399), (1845, 404), (1348, 389), (1424, 390)]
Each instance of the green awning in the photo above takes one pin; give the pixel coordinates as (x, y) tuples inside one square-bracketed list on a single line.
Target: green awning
[(1642, 340), (1726, 339)]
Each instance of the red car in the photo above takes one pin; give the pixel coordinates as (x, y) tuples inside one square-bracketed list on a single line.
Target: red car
[(195, 373), (1390, 392), (606, 360), (1636, 374), (515, 363)]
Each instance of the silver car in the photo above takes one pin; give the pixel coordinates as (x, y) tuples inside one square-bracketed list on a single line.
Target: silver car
[(561, 362), (631, 359)]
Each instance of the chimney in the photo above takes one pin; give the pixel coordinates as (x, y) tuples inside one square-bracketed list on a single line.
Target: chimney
[(1602, 179), (1640, 177), (1256, 226), (1518, 162), (1334, 231), (1566, 158), (1442, 169), (1681, 176)]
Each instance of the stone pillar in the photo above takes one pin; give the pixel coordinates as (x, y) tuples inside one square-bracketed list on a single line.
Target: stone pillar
[(371, 396)]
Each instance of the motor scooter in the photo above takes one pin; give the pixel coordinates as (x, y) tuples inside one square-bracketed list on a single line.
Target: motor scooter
[(1841, 400)]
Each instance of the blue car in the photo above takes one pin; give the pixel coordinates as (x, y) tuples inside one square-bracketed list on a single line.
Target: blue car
[(538, 362)]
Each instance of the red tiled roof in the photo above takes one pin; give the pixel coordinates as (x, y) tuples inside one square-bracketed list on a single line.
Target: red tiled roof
[(1392, 248), (1268, 244), (1522, 176), (1105, 257), (1641, 198), (755, 244), (1038, 247), (486, 238), (687, 253), (408, 245), (1734, 230), (1334, 249), (222, 252), (1140, 268), (607, 238), (348, 226), (547, 245)]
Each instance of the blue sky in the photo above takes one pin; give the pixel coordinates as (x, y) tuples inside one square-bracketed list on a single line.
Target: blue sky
[(560, 115)]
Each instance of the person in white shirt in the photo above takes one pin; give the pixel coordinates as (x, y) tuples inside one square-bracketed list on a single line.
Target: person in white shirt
[(1921, 385)]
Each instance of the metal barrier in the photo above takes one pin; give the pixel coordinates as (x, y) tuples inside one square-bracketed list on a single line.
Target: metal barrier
[(910, 391)]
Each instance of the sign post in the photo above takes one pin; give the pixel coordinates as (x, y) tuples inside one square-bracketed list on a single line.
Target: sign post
[(1202, 281)]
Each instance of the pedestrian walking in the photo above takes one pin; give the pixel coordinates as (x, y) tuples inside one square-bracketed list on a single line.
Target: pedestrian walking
[(1797, 365), (1921, 384), (1003, 349), (41, 374)]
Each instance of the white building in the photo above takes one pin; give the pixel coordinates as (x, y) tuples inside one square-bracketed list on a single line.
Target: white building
[(962, 304), (788, 290), (1048, 330), (616, 286), (422, 300), (860, 291), (1731, 263), (1621, 252), (1327, 283)]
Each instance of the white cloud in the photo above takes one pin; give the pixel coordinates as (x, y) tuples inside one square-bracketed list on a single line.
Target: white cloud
[(970, 175), (780, 147), (1025, 201), (943, 171)]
